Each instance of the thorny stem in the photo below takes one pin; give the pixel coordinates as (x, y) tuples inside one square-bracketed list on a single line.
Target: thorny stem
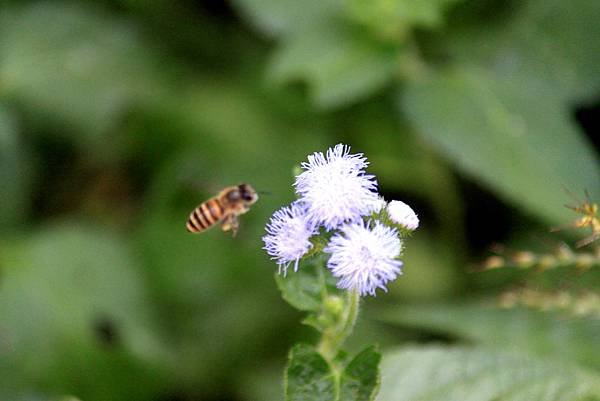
[(333, 338)]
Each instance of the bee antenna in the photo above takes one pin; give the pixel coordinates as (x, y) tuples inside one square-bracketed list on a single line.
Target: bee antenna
[(263, 192)]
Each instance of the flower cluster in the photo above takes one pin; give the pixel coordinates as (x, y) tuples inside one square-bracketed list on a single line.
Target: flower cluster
[(339, 198)]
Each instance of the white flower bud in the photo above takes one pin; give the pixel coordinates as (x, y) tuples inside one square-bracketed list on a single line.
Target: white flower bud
[(403, 215)]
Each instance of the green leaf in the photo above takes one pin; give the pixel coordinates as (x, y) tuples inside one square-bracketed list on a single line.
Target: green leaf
[(479, 374), (308, 377), (519, 142), (552, 43), (281, 17), (393, 18), (541, 333), (360, 378), (307, 288), (339, 62), (72, 64), (14, 172)]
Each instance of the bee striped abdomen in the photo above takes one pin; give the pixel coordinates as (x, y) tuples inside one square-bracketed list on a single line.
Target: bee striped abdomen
[(205, 216)]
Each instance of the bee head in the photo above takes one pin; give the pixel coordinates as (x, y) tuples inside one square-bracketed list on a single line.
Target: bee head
[(247, 193)]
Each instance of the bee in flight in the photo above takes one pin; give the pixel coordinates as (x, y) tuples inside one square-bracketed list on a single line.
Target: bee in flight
[(225, 208)]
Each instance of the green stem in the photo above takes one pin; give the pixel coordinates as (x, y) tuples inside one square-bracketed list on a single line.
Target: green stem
[(332, 339)]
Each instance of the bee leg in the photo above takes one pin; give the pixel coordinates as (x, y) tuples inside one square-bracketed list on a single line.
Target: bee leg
[(234, 226), (230, 223), (226, 224)]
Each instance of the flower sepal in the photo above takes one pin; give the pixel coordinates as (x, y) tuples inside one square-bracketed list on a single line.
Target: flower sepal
[(319, 242)]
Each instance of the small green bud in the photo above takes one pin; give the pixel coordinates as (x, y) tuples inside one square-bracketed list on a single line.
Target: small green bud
[(334, 305)]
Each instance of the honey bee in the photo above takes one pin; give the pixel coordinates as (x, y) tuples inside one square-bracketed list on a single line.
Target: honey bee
[(225, 208)]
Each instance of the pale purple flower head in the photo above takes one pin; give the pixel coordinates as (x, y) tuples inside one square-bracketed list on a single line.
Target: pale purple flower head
[(364, 256), (379, 205), (288, 235), (403, 215), (335, 187)]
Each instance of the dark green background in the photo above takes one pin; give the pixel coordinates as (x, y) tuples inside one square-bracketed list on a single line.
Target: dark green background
[(118, 117)]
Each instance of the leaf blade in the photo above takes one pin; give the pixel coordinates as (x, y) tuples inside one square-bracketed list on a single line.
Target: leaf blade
[(306, 288), (360, 379), (541, 333), (473, 374), (519, 143), (308, 376)]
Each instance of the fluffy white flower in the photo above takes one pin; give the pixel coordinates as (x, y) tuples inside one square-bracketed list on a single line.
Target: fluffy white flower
[(402, 214), (335, 187), (364, 256), (288, 236), (379, 204)]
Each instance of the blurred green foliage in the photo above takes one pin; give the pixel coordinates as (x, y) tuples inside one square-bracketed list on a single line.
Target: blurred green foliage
[(118, 117), (436, 373)]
